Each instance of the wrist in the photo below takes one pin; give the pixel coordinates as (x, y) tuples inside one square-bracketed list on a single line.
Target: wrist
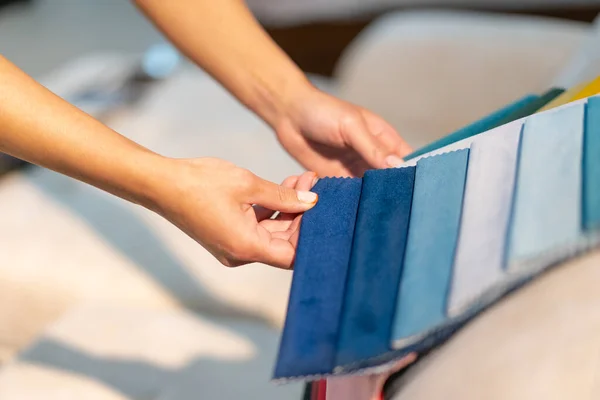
[(277, 97), (145, 178)]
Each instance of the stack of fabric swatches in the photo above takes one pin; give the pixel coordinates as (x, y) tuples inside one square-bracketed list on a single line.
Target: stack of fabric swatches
[(397, 261)]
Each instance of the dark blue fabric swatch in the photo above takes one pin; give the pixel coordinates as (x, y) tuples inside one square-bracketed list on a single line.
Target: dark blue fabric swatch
[(485, 124), (375, 264), (432, 239), (310, 334), (591, 166)]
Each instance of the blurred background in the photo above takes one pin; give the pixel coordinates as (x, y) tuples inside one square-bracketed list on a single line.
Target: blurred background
[(100, 299)]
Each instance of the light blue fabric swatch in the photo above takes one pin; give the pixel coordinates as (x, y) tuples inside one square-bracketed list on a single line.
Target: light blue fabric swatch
[(547, 206), (591, 166), (431, 244), (479, 262)]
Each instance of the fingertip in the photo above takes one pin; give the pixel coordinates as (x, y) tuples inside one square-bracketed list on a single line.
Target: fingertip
[(393, 161), (307, 197)]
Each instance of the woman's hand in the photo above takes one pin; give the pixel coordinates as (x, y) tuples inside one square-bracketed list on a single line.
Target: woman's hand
[(325, 134), (333, 137), (228, 210), (209, 199)]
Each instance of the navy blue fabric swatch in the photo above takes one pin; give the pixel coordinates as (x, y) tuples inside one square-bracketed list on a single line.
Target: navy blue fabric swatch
[(485, 124), (591, 166), (375, 264), (310, 334), (431, 245)]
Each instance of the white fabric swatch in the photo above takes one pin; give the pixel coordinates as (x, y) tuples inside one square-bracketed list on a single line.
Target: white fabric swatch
[(480, 254)]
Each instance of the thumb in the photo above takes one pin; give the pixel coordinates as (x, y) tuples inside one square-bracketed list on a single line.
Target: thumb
[(280, 198)]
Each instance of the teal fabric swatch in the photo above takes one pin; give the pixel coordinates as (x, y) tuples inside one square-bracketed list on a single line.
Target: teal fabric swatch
[(533, 106), (547, 206), (591, 166), (489, 122), (431, 244)]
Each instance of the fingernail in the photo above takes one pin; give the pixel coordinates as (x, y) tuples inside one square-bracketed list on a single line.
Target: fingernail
[(393, 161), (314, 182), (307, 197)]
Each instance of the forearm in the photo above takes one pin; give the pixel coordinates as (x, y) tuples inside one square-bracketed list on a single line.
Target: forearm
[(39, 127), (223, 37)]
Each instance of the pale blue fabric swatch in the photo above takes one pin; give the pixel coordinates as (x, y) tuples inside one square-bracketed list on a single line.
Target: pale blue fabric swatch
[(486, 214), (547, 207), (433, 233)]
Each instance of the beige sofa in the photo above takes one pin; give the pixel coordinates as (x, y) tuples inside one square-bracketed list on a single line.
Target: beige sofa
[(100, 299)]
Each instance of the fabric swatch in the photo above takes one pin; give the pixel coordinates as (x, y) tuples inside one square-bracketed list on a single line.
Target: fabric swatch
[(480, 253), (532, 107), (375, 264), (592, 89), (353, 387), (490, 121), (432, 238), (483, 220), (547, 207), (322, 390), (309, 339), (565, 98), (308, 391), (591, 166)]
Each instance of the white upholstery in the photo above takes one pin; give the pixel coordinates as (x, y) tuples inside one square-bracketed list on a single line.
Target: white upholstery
[(429, 73), (540, 343)]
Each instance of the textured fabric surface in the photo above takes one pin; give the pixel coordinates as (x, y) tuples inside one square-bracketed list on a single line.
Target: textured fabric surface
[(376, 264), (309, 339), (547, 208), (527, 173), (434, 227), (591, 166), (488, 122), (486, 214)]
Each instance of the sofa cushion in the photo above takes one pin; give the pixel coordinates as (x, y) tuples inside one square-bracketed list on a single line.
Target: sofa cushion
[(541, 342)]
